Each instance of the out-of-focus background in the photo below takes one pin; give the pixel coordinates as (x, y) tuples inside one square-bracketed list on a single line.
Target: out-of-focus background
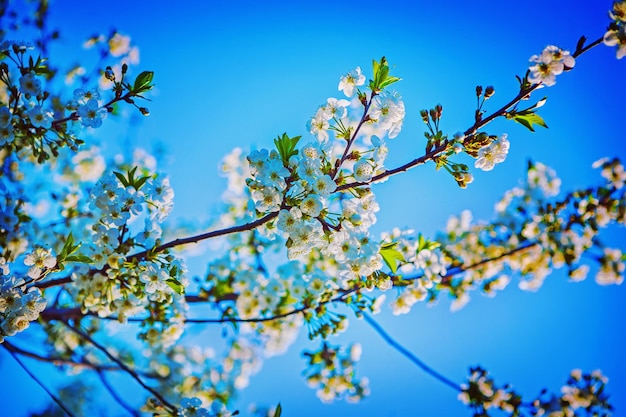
[(239, 73)]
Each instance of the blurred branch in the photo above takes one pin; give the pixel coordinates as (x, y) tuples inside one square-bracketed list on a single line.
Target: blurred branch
[(408, 354), (59, 361), (124, 367), (34, 378), (115, 396)]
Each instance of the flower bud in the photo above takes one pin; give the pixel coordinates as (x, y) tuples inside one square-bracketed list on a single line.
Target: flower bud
[(108, 74)]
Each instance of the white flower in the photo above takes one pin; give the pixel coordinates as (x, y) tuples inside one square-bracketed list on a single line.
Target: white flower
[(493, 154), (267, 199), (5, 116), (40, 117), (119, 45), (39, 260), (273, 174), (154, 279), (30, 84), (617, 38), (309, 170), (312, 205), (363, 170), (318, 126), (350, 81), (324, 185), (549, 64), (388, 109), (303, 240), (91, 114), (289, 221), (335, 108)]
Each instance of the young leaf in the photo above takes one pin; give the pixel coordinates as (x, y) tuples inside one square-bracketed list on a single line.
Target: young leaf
[(79, 258), (176, 286), (286, 147), (278, 411), (121, 177), (391, 256), (381, 75), (530, 119)]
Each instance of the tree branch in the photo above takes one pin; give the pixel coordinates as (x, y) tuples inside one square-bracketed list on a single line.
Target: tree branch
[(115, 396), (38, 381), (408, 354), (122, 365), (208, 235), (58, 361), (64, 314)]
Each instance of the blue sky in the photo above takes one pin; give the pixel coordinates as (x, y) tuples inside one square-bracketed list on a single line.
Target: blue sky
[(242, 73)]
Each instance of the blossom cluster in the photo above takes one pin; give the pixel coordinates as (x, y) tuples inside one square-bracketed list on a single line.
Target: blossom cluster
[(583, 394), (300, 184), (88, 108), (202, 380), (492, 154), (616, 35), (34, 121), (532, 234), (122, 288), (331, 371), (546, 66), (18, 306), (481, 394)]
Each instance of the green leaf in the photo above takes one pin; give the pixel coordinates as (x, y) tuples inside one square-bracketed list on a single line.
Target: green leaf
[(527, 119), (68, 248), (286, 147), (122, 179), (176, 286), (382, 78), (423, 243), (391, 255), (142, 82), (278, 411), (79, 258), (141, 181), (389, 81)]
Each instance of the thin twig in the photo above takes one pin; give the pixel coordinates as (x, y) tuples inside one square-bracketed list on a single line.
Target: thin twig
[(58, 361), (64, 314), (208, 235), (408, 354), (38, 381), (122, 365), (115, 396)]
